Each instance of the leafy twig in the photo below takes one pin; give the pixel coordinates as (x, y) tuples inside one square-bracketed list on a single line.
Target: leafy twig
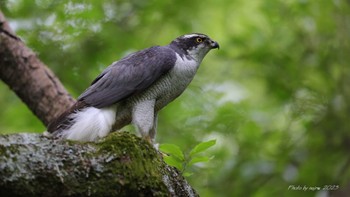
[(175, 156)]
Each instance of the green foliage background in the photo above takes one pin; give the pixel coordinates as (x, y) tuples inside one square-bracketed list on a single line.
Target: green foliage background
[(276, 96)]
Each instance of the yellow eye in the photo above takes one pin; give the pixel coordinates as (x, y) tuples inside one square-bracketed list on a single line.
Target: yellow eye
[(199, 40)]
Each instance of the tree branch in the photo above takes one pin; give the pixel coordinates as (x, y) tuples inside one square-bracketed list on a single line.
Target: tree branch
[(29, 78), (119, 165)]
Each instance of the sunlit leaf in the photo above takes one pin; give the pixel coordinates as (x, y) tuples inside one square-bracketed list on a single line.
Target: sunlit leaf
[(172, 149), (199, 159), (202, 147), (172, 161), (187, 174)]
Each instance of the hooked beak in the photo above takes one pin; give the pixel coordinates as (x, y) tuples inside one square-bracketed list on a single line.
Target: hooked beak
[(214, 45)]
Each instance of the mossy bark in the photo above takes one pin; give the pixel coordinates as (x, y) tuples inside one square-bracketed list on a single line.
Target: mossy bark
[(119, 165)]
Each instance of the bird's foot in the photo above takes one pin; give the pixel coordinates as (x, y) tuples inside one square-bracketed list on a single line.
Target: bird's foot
[(151, 141)]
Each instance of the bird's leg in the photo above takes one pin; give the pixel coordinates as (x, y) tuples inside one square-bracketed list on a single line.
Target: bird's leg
[(143, 118), (153, 131)]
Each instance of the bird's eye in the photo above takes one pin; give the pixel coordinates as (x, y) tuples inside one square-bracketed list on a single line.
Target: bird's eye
[(199, 40)]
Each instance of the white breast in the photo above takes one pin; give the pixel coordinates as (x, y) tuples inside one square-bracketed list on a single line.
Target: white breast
[(185, 68)]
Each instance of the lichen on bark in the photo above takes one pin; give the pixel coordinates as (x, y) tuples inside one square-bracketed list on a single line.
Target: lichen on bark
[(121, 164)]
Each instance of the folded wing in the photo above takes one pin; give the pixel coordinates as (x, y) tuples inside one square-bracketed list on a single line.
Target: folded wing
[(129, 76)]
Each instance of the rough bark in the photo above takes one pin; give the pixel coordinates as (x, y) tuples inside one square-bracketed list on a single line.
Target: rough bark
[(29, 78), (119, 165)]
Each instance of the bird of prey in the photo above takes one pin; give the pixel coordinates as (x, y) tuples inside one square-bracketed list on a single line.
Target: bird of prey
[(133, 90)]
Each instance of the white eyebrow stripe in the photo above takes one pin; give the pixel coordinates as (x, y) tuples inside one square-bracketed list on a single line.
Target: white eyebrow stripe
[(191, 35)]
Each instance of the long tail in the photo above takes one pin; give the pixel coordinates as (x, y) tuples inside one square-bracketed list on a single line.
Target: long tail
[(83, 123)]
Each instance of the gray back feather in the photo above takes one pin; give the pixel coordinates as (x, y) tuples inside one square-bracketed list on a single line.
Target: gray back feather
[(129, 76)]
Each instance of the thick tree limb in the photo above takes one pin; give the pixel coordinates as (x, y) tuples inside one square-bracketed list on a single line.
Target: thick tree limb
[(120, 165), (29, 78)]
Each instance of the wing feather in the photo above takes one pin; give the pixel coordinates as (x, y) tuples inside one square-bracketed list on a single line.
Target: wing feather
[(129, 76)]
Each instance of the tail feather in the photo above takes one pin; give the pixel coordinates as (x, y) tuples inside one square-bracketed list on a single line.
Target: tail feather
[(85, 124), (63, 121)]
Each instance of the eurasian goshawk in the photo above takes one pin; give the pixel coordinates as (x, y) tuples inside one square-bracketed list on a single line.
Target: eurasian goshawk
[(133, 90)]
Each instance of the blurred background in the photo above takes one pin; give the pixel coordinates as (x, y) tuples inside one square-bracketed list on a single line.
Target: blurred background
[(276, 96)]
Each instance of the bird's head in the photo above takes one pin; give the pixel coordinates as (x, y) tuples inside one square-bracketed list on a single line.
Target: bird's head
[(195, 45)]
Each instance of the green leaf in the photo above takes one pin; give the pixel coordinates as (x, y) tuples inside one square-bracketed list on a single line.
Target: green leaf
[(187, 174), (172, 161), (172, 149), (202, 147), (199, 159)]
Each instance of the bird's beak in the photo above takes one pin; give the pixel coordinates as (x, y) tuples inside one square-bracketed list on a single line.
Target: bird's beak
[(214, 45)]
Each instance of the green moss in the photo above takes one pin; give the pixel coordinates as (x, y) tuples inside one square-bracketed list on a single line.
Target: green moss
[(133, 163)]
